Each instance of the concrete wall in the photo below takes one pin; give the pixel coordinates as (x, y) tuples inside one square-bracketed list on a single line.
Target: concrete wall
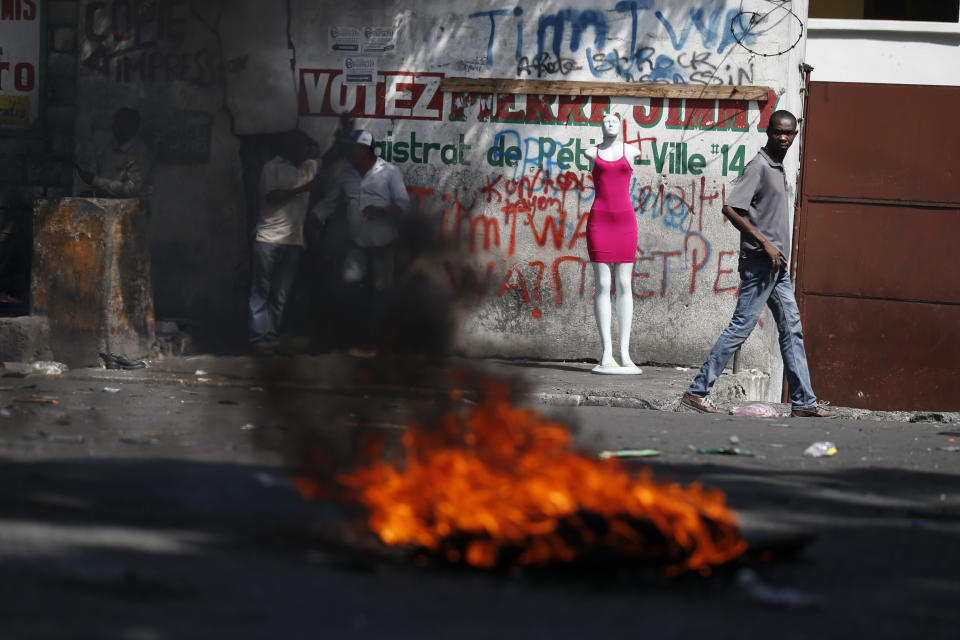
[(529, 276), (472, 162), (165, 58), (884, 51)]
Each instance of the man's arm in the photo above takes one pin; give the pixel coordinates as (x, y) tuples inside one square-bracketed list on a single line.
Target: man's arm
[(326, 206), (130, 185), (281, 195), (399, 199), (743, 224)]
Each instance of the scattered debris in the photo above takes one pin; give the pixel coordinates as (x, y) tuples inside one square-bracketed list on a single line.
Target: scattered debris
[(247, 427), (135, 439), (950, 449), (120, 361), (756, 410), (734, 439), (37, 400), (681, 368), (46, 367), (726, 451), (5, 412), (199, 372), (629, 453), (111, 389), (779, 424), (821, 449), (50, 367), (771, 596)]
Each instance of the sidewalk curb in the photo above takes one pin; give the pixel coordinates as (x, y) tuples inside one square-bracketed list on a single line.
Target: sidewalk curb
[(545, 398)]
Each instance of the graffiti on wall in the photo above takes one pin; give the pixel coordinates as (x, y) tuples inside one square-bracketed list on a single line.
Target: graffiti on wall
[(492, 222), (144, 42), (406, 95), (688, 49), (508, 183)]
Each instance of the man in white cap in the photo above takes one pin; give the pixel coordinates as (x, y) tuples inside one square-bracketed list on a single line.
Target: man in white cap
[(376, 198)]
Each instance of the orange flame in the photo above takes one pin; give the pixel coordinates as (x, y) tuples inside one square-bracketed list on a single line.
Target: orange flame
[(502, 483)]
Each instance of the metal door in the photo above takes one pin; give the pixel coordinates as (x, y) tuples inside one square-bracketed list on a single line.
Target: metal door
[(878, 281)]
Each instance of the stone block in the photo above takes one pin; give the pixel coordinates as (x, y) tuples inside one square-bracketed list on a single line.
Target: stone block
[(25, 339), (91, 277), (752, 385)]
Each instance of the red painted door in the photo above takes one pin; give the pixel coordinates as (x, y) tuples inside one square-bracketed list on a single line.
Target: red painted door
[(878, 281)]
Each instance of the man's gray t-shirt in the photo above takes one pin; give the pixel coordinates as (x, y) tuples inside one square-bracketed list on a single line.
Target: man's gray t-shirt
[(763, 194)]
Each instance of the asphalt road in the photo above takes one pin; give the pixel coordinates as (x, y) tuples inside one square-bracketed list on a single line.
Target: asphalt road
[(162, 510)]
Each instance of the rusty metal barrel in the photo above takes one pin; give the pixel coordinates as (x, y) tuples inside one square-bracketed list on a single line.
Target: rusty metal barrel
[(91, 277)]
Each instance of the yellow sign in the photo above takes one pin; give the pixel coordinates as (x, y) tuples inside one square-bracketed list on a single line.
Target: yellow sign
[(15, 111)]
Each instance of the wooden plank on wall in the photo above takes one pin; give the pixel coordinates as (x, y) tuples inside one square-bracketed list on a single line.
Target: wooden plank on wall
[(632, 89)]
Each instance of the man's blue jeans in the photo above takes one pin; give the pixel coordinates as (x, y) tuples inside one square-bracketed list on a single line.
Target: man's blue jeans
[(273, 270), (759, 286)]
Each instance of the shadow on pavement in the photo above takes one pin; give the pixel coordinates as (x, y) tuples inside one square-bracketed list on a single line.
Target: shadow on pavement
[(177, 549)]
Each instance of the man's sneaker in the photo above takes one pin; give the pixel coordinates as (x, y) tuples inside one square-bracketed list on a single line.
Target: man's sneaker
[(703, 405), (816, 411)]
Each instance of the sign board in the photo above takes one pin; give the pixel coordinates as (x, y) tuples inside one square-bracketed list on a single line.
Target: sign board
[(22, 66)]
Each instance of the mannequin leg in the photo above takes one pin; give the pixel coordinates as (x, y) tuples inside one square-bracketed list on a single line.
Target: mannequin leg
[(602, 309), (623, 272)]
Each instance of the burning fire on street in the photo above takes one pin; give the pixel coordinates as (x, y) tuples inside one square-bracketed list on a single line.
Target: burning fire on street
[(494, 485)]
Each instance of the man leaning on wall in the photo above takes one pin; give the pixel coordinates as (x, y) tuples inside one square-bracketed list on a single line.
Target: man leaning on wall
[(285, 185)]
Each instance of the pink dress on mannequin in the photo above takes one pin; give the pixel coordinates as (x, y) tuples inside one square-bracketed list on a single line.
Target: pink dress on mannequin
[(612, 226)]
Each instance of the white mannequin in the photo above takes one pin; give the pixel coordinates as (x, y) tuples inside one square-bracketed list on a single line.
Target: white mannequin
[(610, 150)]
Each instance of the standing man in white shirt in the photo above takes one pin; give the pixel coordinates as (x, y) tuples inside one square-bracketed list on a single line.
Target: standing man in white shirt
[(376, 199), (285, 185)]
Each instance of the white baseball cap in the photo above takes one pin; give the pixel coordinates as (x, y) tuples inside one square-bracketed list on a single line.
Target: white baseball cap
[(360, 136)]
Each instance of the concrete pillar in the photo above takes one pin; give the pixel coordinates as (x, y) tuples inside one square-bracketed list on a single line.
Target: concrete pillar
[(91, 277)]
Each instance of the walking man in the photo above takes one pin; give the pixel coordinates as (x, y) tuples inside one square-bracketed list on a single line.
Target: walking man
[(759, 208)]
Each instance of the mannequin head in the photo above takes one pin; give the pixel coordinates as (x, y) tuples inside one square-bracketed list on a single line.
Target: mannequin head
[(611, 125)]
